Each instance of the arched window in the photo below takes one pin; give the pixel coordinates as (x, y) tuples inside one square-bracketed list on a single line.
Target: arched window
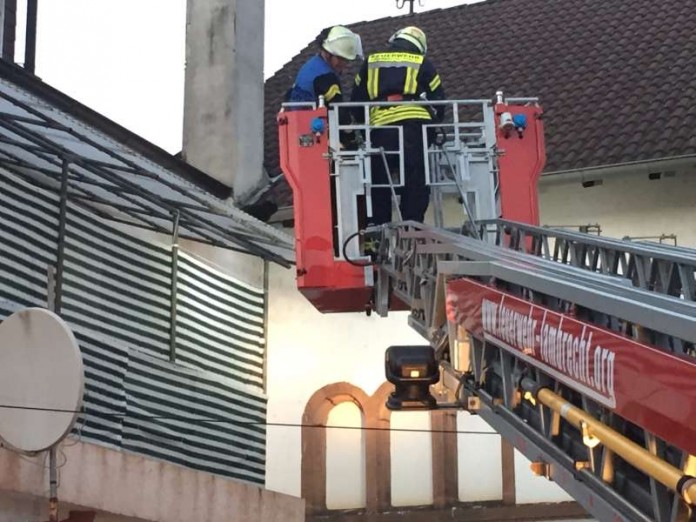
[(487, 462), (345, 458), (376, 482), (341, 404)]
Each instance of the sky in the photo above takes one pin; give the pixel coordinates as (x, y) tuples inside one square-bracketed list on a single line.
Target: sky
[(125, 58)]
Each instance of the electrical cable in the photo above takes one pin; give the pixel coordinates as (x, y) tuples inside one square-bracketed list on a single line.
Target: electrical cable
[(345, 255), (84, 419), (221, 420)]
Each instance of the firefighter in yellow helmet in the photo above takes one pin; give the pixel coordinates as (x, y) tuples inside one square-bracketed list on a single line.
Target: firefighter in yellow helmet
[(319, 76), (400, 73)]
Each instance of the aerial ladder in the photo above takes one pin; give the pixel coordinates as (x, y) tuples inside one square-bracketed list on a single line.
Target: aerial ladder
[(576, 348)]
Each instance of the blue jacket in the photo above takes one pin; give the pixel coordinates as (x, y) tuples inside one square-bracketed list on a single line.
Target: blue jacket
[(315, 78)]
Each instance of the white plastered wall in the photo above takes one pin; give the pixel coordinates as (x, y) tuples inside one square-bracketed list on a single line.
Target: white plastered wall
[(625, 204), (345, 477), (25, 508), (307, 351)]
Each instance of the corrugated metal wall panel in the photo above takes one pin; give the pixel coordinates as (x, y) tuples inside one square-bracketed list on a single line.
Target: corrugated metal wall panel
[(110, 275), (229, 436), (207, 410), (220, 326), (106, 364), (28, 241)]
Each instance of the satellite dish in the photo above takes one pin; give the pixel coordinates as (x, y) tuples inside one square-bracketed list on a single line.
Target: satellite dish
[(41, 380)]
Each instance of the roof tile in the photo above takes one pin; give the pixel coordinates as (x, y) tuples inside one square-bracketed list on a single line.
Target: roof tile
[(617, 79)]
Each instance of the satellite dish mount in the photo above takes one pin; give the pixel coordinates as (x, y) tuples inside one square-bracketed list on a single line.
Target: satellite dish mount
[(41, 386)]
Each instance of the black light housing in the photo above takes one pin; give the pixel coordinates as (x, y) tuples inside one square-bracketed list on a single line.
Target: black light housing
[(411, 369)]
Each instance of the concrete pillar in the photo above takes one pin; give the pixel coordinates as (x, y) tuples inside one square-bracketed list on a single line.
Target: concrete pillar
[(223, 95)]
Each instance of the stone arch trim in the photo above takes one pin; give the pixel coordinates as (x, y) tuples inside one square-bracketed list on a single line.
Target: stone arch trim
[(377, 444), (378, 449), (445, 460)]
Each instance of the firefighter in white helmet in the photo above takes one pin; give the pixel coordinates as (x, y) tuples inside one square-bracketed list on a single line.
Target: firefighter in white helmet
[(400, 73), (319, 76)]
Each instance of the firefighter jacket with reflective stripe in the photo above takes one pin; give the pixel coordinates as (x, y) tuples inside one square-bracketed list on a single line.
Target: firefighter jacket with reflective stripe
[(315, 78), (396, 75)]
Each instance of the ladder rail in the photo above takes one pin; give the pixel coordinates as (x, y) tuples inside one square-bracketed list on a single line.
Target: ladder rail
[(415, 259), (653, 267), (607, 294)]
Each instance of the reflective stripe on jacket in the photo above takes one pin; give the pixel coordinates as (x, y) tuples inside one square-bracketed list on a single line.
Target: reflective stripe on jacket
[(397, 74)]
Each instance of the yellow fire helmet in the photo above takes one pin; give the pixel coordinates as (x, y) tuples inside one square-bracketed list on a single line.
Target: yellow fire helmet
[(414, 35)]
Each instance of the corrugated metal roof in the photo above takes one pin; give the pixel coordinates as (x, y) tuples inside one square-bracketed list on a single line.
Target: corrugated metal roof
[(45, 135)]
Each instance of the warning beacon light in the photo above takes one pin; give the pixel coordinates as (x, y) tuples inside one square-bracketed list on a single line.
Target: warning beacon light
[(412, 370), (506, 123)]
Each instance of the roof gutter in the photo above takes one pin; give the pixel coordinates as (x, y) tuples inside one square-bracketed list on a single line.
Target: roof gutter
[(631, 167)]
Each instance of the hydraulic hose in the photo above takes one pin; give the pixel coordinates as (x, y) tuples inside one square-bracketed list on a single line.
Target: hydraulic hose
[(345, 256)]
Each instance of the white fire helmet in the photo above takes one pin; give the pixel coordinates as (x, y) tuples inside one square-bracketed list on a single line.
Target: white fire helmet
[(414, 35), (344, 43)]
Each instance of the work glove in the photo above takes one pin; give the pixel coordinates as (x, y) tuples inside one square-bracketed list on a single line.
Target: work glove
[(351, 140)]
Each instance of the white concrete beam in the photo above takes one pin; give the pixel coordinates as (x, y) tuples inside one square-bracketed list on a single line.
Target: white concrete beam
[(131, 485)]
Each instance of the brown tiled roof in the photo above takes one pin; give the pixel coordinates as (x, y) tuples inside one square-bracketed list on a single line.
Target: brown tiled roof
[(616, 78)]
